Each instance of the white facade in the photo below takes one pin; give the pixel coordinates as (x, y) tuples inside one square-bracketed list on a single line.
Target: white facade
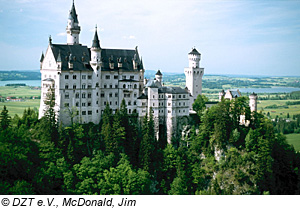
[(193, 75)]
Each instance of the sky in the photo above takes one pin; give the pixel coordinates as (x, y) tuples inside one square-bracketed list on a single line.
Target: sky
[(252, 37)]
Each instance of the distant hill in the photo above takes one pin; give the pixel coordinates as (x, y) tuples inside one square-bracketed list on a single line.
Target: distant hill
[(20, 75)]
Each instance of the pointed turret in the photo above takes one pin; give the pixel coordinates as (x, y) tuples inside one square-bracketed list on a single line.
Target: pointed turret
[(73, 14), (73, 28), (42, 57), (96, 42), (96, 52)]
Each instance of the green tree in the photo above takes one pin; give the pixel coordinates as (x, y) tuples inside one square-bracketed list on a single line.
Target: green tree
[(199, 104), (5, 119)]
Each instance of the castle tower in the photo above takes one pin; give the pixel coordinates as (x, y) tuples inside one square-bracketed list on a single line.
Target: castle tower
[(73, 28), (96, 52), (158, 76), (193, 75), (253, 102)]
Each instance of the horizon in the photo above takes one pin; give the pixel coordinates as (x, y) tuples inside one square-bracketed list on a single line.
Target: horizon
[(232, 39)]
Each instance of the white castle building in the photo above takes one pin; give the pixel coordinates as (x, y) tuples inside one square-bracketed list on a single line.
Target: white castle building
[(86, 79)]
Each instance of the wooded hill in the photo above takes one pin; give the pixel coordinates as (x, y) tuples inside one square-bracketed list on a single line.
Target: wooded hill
[(121, 155)]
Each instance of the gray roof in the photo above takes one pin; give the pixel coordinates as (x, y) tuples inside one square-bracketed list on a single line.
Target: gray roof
[(49, 79), (172, 90), (194, 51), (151, 84), (96, 42), (235, 94), (143, 96), (73, 14), (126, 55), (80, 56), (158, 73)]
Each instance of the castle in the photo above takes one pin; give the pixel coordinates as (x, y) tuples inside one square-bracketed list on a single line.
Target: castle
[(84, 80), (89, 78)]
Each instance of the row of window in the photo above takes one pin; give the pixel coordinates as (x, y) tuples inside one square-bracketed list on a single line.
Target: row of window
[(83, 95), (82, 77), (117, 77)]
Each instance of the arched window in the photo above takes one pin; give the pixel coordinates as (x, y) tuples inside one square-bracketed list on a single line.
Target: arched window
[(135, 86), (124, 86)]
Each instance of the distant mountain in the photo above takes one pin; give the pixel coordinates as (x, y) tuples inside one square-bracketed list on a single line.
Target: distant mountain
[(20, 75)]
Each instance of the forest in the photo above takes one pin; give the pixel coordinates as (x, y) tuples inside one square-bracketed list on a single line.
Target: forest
[(121, 155)]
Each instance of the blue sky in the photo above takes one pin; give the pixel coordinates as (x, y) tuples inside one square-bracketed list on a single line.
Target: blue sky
[(234, 37)]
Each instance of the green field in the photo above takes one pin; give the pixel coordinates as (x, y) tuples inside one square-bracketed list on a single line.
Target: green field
[(281, 112), (23, 92), (294, 139), (18, 107)]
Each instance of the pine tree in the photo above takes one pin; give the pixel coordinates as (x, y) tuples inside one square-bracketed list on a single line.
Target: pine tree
[(5, 119)]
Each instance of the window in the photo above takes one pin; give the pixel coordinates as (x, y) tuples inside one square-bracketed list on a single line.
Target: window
[(135, 86), (89, 112), (179, 96), (102, 95), (89, 86), (183, 96), (66, 86), (74, 86), (116, 94), (129, 103), (83, 104), (124, 86), (153, 104), (179, 111), (153, 96), (129, 110), (135, 95), (97, 84), (83, 86), (107, 77), (83, 95), (83, 112), (77, 104), (169, 96), (66, 104), (74, 76), (173, 97), (116, 86), (116, 103), (183, 103), (105, 86), (124, 76), (183, 110), (169, 111), (143, 104), (77, 95), (110, 86), (179, 103), (134, 103), (97, 102), (97, 94), (169, 104), (83, 76), (89, 95), (89, 77), (115, 77), (110, 95), (66, 76), (132, 77), (104, 103), (109, 103), (67, 96)]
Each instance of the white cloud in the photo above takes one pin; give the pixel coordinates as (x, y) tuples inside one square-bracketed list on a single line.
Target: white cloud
[(62, 34)]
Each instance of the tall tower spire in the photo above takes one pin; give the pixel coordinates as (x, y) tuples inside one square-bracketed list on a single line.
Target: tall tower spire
[(96, 52), (73, 28)]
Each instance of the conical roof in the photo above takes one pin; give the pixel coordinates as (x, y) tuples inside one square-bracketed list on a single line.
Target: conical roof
[(194, 51), (73, 14), (96, 42)]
